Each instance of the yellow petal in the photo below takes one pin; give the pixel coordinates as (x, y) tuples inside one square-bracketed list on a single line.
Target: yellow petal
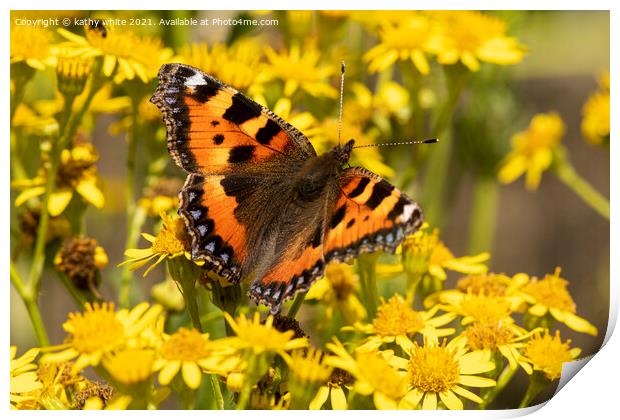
[(109, 64), (319, 399), (28, 194), (167, 373), (58, 202), (430, 401), (475, 362), (382, 402), (450, 400), (191, 374), (476, 381), (414, 396), (338, 399), (579, 324), (88, 189), (420, 61), (538, 310), (466, 394)]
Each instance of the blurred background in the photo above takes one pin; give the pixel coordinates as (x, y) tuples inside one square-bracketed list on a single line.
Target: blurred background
[(530, 231)]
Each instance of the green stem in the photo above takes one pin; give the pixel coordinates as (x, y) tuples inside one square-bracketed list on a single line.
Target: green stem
[(567, 174), (37, 321), (217, 392), (504, 378), (130, 191), (436, 177), (299, 299), (537, 384), (189, 294), (368, 280), (244, 397), (77, 296), (483, 215), (413, 280)]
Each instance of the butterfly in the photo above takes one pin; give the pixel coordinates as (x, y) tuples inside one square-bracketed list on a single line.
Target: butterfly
[(258, 202)]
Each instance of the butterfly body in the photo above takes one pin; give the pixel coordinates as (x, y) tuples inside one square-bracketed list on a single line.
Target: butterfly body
[(258, 202)]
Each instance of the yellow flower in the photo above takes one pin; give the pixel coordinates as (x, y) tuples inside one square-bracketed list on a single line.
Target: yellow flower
[(424, 253), (238, 65), (124, 54), (333, 390), (440, 371), (72, 73), (31, 45), (130, 366), (162, 196), (258, 338), (33, 122), (172, 241), (503, 336), (532, 150), (373, 375), (168, 295), (300, 69), (396, 320), (190, 352), (406, 40), (120, 402), (551, 295), (548, 353), (307, 372), (24, 381), (478, 307), (260, 400), (471, 37), (100, 330), (595, 123), (337, 290), (391, 99), (60, 385), (76, 173)]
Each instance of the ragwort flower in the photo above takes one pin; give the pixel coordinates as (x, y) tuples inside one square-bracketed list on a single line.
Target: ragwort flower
[(31, 45), (162, 196), (439, 372), (99, 330), (533, 150), (548, 353), (408, 39), (130, 366), (595, 123), (172, 241), (396, 320), (76, 173), (551, 295), (191, 352), (373, 375), (308, 370), (334, 391), (473, 36), (299, 68), (24, 380), (424, 253)]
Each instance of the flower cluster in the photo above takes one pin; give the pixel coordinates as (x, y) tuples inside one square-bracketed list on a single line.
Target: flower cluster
[(425, 328)]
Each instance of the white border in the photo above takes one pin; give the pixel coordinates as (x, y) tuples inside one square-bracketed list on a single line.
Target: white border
[(595, 393)]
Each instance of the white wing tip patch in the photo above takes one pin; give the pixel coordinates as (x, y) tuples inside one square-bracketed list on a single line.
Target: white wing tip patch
[(408, 211), (195, 80)]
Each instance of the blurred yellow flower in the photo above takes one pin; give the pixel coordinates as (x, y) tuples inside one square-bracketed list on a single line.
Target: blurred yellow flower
[(471, 37), (337, 289), (373, 375), (239, 65), (551, 295), (595, 123), (99, 330), (424, 253), (333, 390), (172, 241), (24, 380), (548, 353), (120, 402), (31, 45), (300, 69), (408, 39), (32, 122), (190, 352), (308, 370), (125, 55), (391, 99), (395, 320), (257, 338), (532, 150), (76, 173), (503, 336), (439, 372), (161, 196), (129, 366)]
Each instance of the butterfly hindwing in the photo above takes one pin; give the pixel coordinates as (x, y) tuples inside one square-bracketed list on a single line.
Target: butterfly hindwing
[(214, 129), (368, 214)]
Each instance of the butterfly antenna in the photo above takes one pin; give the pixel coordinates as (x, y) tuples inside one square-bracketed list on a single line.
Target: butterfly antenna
[(342, 68), (401, 143)]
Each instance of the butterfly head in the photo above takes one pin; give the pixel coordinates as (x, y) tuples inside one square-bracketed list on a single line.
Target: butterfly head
[(343, 152)]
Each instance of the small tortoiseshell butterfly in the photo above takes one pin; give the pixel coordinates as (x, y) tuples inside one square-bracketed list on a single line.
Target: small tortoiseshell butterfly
[(258, 202)]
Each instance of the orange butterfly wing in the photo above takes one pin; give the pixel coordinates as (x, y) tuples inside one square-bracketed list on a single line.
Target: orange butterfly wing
[(216, 133), (369, 214)]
